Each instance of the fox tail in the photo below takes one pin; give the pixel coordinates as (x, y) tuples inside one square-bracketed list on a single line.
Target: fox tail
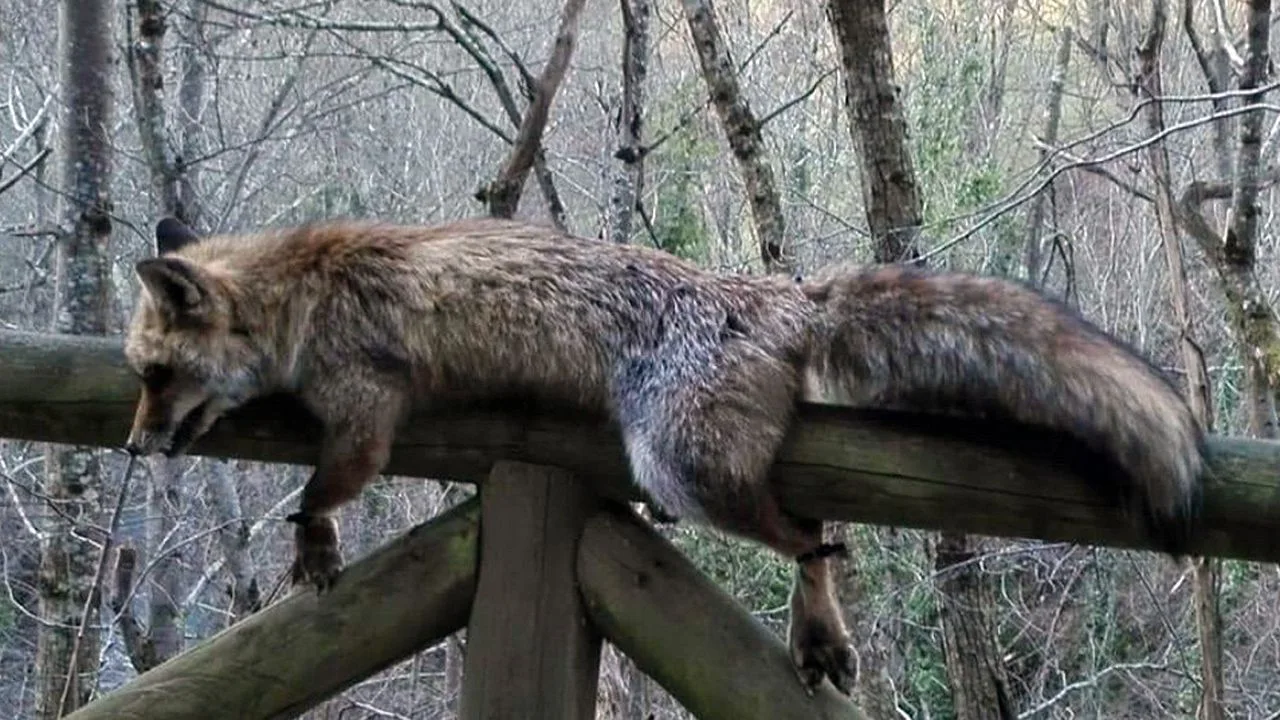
[(909, 339)]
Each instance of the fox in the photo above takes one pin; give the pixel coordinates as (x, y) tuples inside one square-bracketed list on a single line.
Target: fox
[(700, 371)]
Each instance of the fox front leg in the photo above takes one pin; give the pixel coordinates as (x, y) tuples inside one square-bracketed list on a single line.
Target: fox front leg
[(349, 460)]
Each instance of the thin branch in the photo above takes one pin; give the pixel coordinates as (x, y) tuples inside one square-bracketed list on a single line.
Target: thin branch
[(1014, 200), (32, 126), (1104, 173), (1088, 682), (764, 41), (25, 169), (269, 120), (130, 627), (503, 195), (471, 19), (797, 99), (434, 84), (299, 19)]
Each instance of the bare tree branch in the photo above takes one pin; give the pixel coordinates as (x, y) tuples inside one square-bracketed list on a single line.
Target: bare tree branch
[(503, 195), (742, 131), (1088, 682), (1021, 195), (24, 170)]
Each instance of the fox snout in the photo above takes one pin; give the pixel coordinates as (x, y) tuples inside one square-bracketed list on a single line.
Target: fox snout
[(153, 427), (166, 424), (144, 442)]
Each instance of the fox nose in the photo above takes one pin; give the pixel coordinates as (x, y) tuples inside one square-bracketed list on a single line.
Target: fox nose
[(138, 442)]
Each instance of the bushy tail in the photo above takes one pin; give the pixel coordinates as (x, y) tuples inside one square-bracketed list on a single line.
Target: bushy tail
[(904, 338)]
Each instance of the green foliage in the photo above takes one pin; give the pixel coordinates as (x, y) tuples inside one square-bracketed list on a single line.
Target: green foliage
[(956, 175), (676, 167), (889, 564), (756, 576), (1228, 385), (1237, 582), (799, 179), (331, 201)]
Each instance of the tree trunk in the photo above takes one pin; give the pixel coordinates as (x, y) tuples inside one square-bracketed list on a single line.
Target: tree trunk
[(628, 182), (67, 649), (160, 639), (979, 686), (147, 75), (1251, 313), (165, 584), (1216, 68), (892, 203), (244, 595), (878, 124), (191, 90), (742, 130), (1248, 308), (1049, 137)]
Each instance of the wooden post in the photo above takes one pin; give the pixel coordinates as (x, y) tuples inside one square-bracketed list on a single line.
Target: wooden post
[(531, 651)]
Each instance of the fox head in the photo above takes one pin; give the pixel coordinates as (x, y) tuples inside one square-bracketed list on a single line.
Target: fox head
[(187, 346)]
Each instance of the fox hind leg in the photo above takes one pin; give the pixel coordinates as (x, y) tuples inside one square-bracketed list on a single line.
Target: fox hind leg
[(817, 636), (728, 489)]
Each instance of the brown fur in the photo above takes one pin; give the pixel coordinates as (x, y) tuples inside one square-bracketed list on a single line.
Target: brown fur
[(364, 321)]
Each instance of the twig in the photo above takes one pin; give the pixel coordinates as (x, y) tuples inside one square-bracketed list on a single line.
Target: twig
[(1013, 200), (30, 129), (797, 99), (23, 170), (1088, 682)]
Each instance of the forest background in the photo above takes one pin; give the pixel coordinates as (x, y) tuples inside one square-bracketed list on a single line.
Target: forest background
[(1120, 155)]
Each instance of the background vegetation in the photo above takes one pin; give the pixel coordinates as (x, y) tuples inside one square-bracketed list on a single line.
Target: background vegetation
[(278, 113)]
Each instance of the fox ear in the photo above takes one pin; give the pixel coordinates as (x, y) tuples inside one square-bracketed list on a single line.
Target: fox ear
[(177, 286), (172, 234)]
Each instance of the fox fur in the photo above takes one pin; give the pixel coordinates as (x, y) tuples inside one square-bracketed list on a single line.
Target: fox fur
[(700, 371)]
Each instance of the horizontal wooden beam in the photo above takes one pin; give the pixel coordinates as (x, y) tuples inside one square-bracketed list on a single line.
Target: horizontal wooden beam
[(291, 655), (937, 473)]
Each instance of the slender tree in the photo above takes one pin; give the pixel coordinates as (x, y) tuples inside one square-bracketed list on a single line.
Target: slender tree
[(893, 208), (67, 654), (628, 182), (742, 129), (878, 125)]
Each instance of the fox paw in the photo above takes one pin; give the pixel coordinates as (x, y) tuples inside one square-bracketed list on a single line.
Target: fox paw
[(820, 652), (317, 559)]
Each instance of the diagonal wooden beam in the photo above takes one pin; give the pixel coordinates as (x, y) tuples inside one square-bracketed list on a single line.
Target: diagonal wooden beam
[(290, 656), (688, 634)]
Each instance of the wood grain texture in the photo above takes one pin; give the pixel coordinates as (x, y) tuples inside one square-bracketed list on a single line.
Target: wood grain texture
[(881, 468), (530, 650), (688, 634)]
